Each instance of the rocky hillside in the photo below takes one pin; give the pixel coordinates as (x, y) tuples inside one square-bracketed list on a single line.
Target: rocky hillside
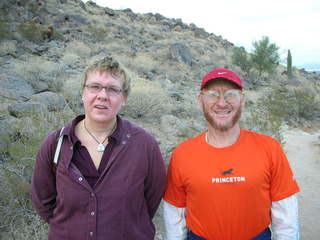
[(45, 46)]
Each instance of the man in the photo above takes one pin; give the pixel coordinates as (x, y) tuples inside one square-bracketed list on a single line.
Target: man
[(229, 183)]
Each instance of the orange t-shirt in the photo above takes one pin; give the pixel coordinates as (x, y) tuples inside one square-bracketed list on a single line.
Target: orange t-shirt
[(228, 191)]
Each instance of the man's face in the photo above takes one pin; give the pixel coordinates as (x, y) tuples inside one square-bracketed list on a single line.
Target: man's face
[(221, 102)]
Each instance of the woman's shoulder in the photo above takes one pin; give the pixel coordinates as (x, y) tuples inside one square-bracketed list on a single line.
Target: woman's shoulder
[(132, 129)]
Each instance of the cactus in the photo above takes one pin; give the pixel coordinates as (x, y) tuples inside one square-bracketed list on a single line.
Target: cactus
[(289, 65)]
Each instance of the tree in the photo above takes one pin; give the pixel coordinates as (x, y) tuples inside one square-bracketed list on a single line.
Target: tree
[(265, 56), (241, 58), (289, 65)]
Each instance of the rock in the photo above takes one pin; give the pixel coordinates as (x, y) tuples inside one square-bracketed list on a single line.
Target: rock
[(174, 126), (24, 109), (7, 123), (3, 148), (53, 101), (181, 53), (40, 86), (13, 87)]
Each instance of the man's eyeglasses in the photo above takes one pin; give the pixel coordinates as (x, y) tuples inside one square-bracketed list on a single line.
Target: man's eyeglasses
[(230, 96), (111, 90)]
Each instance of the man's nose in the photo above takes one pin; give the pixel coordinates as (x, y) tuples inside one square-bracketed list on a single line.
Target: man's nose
[(221, 100)]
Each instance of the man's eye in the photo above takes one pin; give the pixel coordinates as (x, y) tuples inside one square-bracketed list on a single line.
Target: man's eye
[(231, 94), (214, 94), (95, 87)]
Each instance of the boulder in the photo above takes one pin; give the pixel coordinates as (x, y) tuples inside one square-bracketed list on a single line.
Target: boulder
[(181, 53), (23, 109), (13, 87), (53, 101)]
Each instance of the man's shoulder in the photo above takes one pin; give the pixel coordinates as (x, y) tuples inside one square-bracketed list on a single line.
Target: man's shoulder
[(191, 143), (259, 137)]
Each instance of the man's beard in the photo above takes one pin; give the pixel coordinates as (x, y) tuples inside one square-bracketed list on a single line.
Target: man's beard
[(218, 126)]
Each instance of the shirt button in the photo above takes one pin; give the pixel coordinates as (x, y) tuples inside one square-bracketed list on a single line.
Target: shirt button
[(92, 194), (92, 213), (71, 147), (80, 179), (124, 142), (91, 234)]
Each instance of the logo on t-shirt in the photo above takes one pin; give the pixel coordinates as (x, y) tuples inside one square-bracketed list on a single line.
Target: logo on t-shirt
[(228, 179)]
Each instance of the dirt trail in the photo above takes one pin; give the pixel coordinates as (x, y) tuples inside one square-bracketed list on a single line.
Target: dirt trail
[(303, 151)]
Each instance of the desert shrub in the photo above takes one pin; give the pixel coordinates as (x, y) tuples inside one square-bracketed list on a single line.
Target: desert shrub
[(282, 106), (38, 70), (307, 105), (30, 226), (148, 101), (292, 105), (33, 7), (31, 31), (258, 119), (98, 33), (71, 60), (78, 48), (5, 32), (8, 47), (242, 59), (18, 219), (75, 103)]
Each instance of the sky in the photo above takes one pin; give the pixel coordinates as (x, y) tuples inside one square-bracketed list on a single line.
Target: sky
[(290, 24)]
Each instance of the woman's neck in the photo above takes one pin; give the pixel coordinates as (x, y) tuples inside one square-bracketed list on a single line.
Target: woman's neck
[(100, 129)]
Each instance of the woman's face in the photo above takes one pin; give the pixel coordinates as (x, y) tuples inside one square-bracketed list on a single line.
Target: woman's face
[(102, 105)]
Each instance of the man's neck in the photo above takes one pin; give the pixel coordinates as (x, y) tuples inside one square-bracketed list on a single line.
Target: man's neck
[(220, 139)]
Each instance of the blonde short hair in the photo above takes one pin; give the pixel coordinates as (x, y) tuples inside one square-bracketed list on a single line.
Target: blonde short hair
[(112, 66)]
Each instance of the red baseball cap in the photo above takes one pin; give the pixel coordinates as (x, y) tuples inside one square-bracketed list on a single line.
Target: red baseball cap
[(222, 73)]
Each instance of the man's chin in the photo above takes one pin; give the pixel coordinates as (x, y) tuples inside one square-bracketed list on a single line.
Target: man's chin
[(223, 126)]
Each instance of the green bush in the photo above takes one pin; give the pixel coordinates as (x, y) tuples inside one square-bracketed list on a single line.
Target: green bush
[(265, 56), (241, 58)]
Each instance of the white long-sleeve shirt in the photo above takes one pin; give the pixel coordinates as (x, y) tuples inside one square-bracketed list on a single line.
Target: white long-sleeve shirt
[(284, 217)]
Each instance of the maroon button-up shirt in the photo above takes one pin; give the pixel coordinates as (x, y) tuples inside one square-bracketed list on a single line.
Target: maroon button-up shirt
[(119, 205)]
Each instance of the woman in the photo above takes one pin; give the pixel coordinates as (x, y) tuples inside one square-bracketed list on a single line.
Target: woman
[(110, 176)]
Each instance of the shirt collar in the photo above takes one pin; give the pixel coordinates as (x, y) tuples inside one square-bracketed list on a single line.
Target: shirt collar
[(115, 136)]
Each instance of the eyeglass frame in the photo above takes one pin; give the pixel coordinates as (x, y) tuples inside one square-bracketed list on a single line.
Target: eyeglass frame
[(206, 93), (108, 89)]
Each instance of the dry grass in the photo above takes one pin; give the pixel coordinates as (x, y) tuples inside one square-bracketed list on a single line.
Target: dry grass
[(79, 48), (8, 47)]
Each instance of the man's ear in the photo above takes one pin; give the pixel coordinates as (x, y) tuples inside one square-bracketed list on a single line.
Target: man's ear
[(199, 98)]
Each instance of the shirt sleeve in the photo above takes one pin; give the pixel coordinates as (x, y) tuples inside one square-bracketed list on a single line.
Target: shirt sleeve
[(43, 188), (285, 223), (175, 191), (155, 182), (283, 183), (174, 222)]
